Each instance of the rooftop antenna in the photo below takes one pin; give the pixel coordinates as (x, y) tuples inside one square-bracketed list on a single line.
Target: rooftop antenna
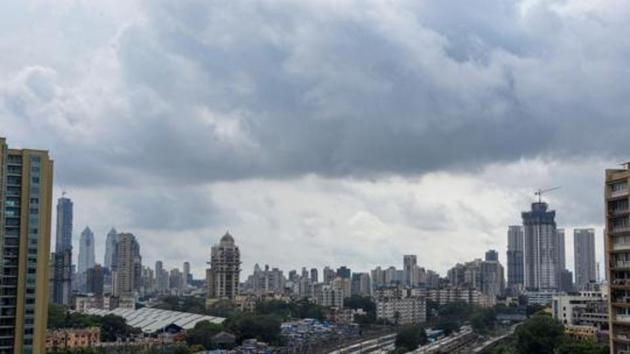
[(540, 192)]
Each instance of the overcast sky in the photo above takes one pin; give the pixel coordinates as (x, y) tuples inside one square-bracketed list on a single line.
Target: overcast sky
[(320, 132)]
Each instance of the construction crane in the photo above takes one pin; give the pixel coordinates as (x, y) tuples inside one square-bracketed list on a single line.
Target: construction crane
[(540, 192)]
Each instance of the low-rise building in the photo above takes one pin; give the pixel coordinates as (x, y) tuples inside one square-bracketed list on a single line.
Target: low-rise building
[(62, 339), (401, 305), (542, 298), (402, 310), (452, 294), (331, 296), (587, 308)]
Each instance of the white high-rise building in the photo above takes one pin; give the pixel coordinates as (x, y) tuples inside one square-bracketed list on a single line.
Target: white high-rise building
[(186, 274), (86, 251), (540, 248), (410, 265), (584, 257)]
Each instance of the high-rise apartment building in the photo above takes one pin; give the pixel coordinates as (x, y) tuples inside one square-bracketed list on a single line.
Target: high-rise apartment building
[(361, 284), (314, 275), (328, 275), (110, 248), (222, 278), (561, 264), (492, 275), (186, 275), (95, 279), (515, 261), (161, 277), (344, 272), (86, 251), (128, 267), (617, 238), (584, 257), (540, 244), (410, 266), (62, 279), (25, 222)]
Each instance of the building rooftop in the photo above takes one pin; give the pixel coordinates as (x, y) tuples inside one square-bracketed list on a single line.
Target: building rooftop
[(151, 320)]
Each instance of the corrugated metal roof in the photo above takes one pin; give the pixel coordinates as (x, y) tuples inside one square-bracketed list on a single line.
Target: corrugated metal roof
[(150, 320)]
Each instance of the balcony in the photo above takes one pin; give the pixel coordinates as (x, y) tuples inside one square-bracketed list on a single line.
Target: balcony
[(621, 247), (616, 229), (618, 212), (622, 318), (619, 192), (621, 338), (621, 265)]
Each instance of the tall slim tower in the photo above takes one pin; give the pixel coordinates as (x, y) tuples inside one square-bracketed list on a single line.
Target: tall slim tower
[(110, 248), (86, 251), (25, 221), (186, 275), (62, 279), (584, 255), (617, 237), (540, 247), (225, 268), (128, 265), (561, 263), (410, 263), (515, 262)]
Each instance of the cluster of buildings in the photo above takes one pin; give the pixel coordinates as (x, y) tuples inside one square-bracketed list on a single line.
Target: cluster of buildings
[(536, 255)]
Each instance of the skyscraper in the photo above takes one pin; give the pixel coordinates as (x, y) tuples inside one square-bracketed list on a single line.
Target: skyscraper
[(344, 272), (540, 247), (128, 265), (515, 262), (95, 280), (86, 251), (222, 277), (62, 279), (186, 280), (492, 277), (25, 220), (617, 237), (561, 264), (110, 248), (314, 275), (584, 256), (410, 263)]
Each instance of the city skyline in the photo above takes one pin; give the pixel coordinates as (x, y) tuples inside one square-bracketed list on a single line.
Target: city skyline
[(198, 268)]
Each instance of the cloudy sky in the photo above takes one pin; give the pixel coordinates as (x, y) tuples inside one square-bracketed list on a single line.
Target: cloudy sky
[(320, 132)]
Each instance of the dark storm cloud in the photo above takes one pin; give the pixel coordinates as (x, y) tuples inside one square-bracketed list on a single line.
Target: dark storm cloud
[(204, 91)]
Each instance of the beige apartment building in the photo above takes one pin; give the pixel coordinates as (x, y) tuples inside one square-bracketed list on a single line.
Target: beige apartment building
[(618, 257), (25, 218)]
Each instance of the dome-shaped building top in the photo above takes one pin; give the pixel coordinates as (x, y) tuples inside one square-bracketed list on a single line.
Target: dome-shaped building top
[(227, 240)]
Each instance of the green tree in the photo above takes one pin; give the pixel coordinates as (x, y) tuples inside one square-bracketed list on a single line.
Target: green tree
[(447, 326), (265, 328), (306, 309), (540, 334), (223, 308), (202, 334), (572, 346), (274, 307), (410, 338), (483, 320), (115, 327)]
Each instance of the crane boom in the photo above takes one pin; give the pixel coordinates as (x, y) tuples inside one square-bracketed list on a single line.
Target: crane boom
[(541, 191)]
